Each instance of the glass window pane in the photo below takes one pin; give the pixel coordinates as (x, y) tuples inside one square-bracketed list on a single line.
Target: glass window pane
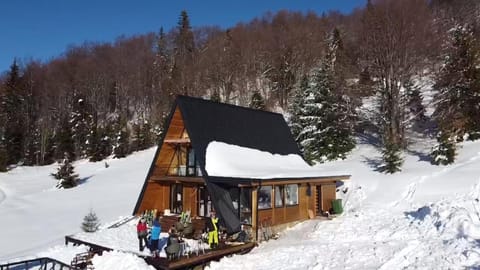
[(265, 197), (291, 194), (246, 205), (278, 196)]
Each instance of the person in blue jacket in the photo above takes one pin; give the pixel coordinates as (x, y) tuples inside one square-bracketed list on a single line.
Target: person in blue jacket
[(155, 235)]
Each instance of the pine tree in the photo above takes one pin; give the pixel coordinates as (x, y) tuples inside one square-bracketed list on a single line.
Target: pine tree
[(93, 144), (81, 119), (257, 102), (32, 149), (444, 152), (391, 156), (145, 139), (457, 111), (90, 222), (3, 155), (295, 110), (63, 140), (65, 175), (327, 117), (121, 146), (12, 110), (215, 96), (414, 103)]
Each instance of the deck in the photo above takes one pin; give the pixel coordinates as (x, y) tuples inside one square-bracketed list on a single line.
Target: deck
[(201, 259), (180, 263)]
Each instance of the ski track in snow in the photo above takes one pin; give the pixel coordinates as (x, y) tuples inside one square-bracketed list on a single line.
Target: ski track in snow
[(2, 195)]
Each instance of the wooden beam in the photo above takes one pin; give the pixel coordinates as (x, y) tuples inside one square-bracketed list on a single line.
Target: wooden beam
[(177, 141)]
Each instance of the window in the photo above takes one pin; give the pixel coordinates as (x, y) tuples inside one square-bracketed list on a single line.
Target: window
[(193, 169), (204, 202), (246, 205), (265, 197), (176, 201), (279, 196), (291, 194)]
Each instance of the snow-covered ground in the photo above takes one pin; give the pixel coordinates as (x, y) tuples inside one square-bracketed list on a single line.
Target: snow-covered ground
[(425, 217), (35, 215)]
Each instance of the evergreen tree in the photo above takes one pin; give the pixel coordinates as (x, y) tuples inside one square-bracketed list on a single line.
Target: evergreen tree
[(391, 156), (327, 117), (295, 110), (215, 96), (444, 152), (3, 155), (12, 110), (93, 144), (414, 103), (65, 175), (146, 135), (121, 145), (63, 140), (90, 222), (81, 119), (257, 102), (32, 149), (184, 55), (457, 111)]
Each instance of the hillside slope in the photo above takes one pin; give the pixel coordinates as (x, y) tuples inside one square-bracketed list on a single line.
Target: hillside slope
[(35, 215)]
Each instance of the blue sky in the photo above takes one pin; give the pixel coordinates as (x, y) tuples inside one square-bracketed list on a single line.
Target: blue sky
[(42, 29)]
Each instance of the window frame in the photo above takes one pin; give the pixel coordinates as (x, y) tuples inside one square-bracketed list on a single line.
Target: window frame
[(270, 196), (286, 195), (281, 193)]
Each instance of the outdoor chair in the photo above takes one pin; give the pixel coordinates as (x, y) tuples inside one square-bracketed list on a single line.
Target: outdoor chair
[(173, 250)]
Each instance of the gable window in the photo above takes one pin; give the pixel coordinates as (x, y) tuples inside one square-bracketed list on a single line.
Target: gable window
[(279, 196), (193, 169), (265, 197), (291, 192)]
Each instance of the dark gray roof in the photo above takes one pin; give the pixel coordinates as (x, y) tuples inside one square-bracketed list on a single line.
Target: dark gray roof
[(208, 121)]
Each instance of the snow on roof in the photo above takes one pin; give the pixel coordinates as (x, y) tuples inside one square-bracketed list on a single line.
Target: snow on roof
[(227, 160)]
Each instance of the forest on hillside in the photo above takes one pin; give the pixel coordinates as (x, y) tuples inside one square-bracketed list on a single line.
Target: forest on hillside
[(103, 99)]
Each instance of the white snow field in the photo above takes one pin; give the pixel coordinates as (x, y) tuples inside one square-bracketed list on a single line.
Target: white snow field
[(34, 215), (425, 217)]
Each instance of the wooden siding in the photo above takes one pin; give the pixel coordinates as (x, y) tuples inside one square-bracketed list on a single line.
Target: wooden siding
[(166, 157), (156, 197), (287, 213), (190, 201), (328, 194)]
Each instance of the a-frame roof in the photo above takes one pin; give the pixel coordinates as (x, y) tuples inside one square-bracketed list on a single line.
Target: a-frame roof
[(207, 121)]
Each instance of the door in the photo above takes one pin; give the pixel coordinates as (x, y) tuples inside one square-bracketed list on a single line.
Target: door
[(318, 200)]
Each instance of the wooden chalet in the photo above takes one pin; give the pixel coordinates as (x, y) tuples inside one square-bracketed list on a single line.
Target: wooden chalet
[(178, 179)]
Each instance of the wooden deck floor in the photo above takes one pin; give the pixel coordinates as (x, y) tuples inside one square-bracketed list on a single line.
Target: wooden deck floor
[(194, 260), (180, 263)]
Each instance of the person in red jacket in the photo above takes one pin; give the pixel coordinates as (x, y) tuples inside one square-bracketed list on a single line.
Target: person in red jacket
[(142, 233)]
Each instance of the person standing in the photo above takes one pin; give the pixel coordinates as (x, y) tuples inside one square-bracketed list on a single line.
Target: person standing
[(155, 235), (212, 230), (142, 233)]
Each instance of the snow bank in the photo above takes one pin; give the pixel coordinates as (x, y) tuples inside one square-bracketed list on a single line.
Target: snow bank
[(119, 261), (228, 160)]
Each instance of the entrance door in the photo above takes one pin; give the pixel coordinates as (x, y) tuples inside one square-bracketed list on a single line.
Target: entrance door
[(318, 201)]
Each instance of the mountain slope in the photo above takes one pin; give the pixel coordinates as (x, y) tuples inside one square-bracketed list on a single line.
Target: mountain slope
[(35, 215)]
